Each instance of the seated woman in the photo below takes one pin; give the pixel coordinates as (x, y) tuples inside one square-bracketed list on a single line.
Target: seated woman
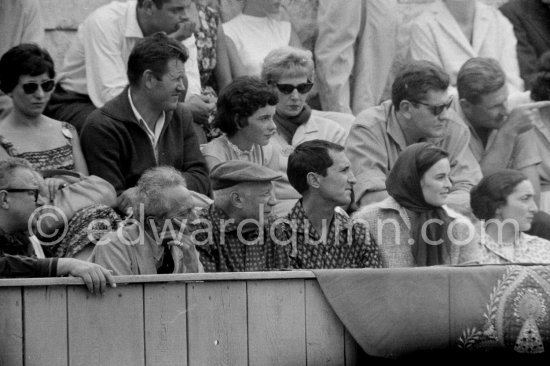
[(413, 227), (504, 203), (245, 40), (244, 114), (27, 76), (289, 72)]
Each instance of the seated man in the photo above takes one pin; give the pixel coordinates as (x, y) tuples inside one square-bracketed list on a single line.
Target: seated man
[(235, 233), (532, 29), (19, 198), (94, 68), (155, 241), (320, 171), (500, 139), (145, 126), (419, 110)]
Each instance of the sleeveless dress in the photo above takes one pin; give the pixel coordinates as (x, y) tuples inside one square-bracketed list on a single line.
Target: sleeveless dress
[(94, 219)]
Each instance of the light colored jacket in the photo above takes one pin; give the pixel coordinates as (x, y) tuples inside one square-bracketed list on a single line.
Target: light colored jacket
[(389, 225)]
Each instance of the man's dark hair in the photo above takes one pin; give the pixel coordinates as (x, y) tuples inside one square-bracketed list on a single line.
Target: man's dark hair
[(415, 80), (158, 3), (24, 59), (309, 157), (540, 89), (153, 53), (241, 99), (479, 76)]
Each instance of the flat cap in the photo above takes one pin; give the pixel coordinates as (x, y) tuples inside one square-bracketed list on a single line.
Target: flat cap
[(232, 172)]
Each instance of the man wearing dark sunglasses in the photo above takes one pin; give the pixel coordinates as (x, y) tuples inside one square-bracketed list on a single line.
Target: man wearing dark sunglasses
[(419, 111), (19, 198)]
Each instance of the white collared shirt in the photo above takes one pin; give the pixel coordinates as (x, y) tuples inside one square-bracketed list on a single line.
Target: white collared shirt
[(159, 124), (96, 62)]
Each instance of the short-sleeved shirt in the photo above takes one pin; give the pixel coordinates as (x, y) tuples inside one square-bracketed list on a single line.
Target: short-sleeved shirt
[(376, 140), (346, 244), (221, 250)]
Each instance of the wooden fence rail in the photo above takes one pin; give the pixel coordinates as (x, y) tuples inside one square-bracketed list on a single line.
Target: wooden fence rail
[(277, 318)]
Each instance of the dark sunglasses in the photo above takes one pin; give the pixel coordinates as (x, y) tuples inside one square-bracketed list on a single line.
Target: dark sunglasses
[(35, 191), (289, 88), (47, 86), (436, 109)]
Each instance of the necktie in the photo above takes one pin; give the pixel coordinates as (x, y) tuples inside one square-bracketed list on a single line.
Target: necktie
[(167, 265)]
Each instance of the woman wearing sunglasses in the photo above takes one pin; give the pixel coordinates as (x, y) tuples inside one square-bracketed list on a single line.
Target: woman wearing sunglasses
[(27, 76), (289, 72)]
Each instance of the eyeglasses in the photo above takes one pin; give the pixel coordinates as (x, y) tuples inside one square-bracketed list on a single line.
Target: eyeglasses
[(436, 109), (34, 191), (289, 88), (47, 86)]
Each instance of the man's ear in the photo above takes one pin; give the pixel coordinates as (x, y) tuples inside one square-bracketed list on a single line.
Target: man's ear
[(405, 107), (4, 200), (149, 79), (147, 6), (236, 199), (466, 106), (313, 180)]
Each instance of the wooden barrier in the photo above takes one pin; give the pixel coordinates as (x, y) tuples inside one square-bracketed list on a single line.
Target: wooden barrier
[(274, 318)]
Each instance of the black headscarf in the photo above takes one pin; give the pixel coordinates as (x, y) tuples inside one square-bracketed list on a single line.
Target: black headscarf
[(403, 184)]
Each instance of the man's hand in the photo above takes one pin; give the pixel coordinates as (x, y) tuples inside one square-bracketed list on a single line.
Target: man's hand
[(95, 277), (185, 30), (125, 201), (523, 118), (201, 106)]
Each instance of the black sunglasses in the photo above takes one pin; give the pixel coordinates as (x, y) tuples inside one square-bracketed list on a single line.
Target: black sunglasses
[(436, 109), (289, 88), (47, 86), (35, 191)]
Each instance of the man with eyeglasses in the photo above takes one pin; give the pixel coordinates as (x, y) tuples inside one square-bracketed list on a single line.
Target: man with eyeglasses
[(19, 198), (418, 111), (155, 240)]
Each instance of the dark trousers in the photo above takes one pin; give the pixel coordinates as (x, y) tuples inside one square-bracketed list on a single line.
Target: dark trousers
[(69, 107)]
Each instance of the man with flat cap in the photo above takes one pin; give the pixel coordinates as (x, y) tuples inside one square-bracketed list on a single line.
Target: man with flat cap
[(236, 233)]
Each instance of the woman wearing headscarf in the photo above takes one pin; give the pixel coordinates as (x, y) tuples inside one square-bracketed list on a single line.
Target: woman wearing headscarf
[(413, 227)]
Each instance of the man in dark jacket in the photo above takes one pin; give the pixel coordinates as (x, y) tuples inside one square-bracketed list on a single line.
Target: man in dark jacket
[(145, 126)]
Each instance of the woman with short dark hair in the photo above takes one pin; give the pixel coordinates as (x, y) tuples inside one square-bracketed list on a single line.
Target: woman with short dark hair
[(504, 203)]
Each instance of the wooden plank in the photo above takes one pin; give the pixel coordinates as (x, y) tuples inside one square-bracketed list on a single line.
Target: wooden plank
[(276, 323), (352, 349), (217, 323), (184, 277), (165, 324), (106, 330), (11, 327), (325, 332), (45, 325)]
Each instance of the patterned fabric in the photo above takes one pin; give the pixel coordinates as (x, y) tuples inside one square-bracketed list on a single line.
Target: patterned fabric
[(58, 158), (206, 35), (517, 315), (338, 250), (86, 227), (221, 249), (526, 249)]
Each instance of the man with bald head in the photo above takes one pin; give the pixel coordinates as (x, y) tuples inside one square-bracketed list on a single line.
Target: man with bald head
[(156, 240)]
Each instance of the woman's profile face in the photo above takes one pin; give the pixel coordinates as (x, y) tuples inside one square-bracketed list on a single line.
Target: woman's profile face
[(435, 183), (520, 206), (290, 105), (260, 127), (31, 95)]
